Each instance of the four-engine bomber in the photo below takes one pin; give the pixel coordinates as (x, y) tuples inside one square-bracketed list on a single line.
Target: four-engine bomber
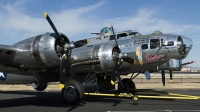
[(93, 64)]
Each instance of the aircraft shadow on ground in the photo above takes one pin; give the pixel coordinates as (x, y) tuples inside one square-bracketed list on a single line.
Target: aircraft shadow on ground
[(53, 99), (47, 99)]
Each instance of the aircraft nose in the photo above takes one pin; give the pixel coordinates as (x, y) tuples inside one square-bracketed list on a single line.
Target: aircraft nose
[(184, 46)]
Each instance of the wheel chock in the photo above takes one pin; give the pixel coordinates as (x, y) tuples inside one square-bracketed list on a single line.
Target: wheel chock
[(159, 95), (135, 98)]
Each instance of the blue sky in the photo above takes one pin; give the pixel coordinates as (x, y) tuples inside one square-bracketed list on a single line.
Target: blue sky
[(21, 19)]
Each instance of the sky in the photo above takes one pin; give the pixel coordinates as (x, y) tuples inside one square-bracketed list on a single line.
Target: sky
[(21, 19)]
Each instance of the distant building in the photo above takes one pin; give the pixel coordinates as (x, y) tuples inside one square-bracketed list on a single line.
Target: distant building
[(189, 69)]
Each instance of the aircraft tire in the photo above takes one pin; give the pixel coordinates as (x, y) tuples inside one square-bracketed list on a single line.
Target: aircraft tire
[(73, 92), (39, 86), (128, 84)]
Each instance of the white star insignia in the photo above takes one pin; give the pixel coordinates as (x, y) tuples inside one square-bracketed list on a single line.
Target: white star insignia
[(2, 75)]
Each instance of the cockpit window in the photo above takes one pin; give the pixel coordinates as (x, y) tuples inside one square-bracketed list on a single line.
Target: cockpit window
[(112, 37), (119, 36), (105, 30), (144, 46), (134, 33), (154, 43)]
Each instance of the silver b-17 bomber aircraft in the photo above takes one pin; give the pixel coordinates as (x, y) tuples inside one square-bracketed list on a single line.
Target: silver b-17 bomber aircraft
[(93, 64)]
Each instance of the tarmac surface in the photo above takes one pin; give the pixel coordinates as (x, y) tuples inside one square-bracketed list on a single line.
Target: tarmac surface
[(50, 101)]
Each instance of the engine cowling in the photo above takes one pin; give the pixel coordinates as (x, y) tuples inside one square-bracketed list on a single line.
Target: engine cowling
[(41, 51)]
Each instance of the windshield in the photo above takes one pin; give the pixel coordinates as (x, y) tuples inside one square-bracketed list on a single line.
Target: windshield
[(106, 31)]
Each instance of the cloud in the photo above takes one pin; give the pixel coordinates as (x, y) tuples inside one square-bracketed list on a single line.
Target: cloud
[(72, 22), (15, 23), (81, 21), (78, 23), (146, 21)]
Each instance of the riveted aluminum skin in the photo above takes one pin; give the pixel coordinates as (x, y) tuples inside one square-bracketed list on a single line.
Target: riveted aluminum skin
[(83, 54), (101, 52), (179, 41), (128, 48)]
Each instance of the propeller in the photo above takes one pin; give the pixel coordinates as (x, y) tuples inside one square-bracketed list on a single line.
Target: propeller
[(119, 58), (163, 77), (118, 61), (65, 56), (162, 45)]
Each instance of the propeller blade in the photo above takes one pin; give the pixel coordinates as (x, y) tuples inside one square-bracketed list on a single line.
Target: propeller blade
[(117, 65), (51, 24), (114, 34), (159, 49), (170, 74), (64, 68), (166, 48), (128, 60), (112, 28), (163, 77)]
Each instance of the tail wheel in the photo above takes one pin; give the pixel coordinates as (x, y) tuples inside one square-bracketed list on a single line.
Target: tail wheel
[(73, 92), (129, 86), (39, 86)]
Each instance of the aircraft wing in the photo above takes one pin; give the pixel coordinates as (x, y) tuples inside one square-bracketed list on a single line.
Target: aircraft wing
[(7, 54)]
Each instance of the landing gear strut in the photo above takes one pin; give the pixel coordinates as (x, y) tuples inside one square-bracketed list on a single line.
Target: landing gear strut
[(73, 92)]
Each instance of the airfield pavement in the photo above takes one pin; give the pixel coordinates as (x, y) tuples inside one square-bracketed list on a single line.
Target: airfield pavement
[(50, 101), (23, 98), (180, 81), (138, 86)]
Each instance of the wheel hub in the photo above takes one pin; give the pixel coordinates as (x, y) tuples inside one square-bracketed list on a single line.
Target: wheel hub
[(70, 92), (125, 89)]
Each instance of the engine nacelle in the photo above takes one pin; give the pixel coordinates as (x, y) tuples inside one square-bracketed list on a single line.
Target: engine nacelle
[(107, 56), (39, 52), (100, 56)]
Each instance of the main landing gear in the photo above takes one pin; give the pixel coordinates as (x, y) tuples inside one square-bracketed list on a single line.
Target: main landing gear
[(126, 86), (73, 92)]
